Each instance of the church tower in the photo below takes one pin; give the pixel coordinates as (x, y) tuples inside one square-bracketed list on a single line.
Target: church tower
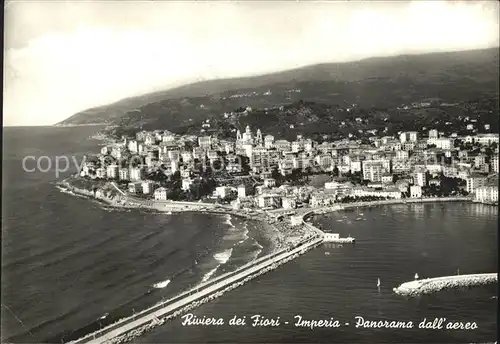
[(247, 135), (259, 137)]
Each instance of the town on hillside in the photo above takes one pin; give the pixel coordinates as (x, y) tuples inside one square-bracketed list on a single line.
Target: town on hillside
[(254, 170)]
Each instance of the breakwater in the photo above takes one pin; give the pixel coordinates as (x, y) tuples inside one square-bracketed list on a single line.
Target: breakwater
[(128, 328), (432, 285)]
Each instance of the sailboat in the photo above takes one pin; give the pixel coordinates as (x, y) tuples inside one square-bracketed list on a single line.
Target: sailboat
[(378, 282), (416, 276)]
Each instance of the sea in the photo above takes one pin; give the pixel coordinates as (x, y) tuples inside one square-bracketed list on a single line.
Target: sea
[(71, 265)]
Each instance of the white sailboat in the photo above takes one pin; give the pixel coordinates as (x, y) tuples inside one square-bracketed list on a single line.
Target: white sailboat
[(416, 276), (378, 282)]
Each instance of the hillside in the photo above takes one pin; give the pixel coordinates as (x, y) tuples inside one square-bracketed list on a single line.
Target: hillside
[(376, 82)]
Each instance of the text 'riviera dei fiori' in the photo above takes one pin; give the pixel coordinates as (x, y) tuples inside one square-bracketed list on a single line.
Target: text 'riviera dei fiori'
[(258, 320)]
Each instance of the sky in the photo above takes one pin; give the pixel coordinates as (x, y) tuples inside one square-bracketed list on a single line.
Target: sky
[(62, 57)]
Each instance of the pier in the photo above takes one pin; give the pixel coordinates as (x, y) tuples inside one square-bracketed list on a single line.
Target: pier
[(126, 329), (432, 285)]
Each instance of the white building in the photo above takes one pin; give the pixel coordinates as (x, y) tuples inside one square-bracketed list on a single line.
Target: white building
[(420, 178), (339, 189), (373, 171), (402, 155), (441, 143), (388, 193), (160, 194), (486, 139), (134, 187), (269, 201), (147, 187), (205, 142), (133, 146), (494, 163), (186, 184), (112, 171), (325, 162), (242, 192), (269, 182), (487, 194), (100, 172), (415, 191), (174, 165), (186, 157), (288, 203), (123, 174), (296, 220), (355, 166), (410, 136), (136, 173), (387, 178), (474, 182), (223, 191)]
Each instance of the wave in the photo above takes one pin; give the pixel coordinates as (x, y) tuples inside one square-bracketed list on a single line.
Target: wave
[(162, 284), (209, 274), (245, 236), (224, 256), (258, 244), (221, 258), (229, 222)]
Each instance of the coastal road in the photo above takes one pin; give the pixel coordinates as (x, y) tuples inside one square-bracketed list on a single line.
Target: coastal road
[(118, 189)]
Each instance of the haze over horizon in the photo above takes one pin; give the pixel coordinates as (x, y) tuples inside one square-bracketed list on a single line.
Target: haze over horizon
[(94, 53)]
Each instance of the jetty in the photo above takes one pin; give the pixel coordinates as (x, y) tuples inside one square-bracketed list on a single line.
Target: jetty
[(432, 285), (126, 329), (336, 239)]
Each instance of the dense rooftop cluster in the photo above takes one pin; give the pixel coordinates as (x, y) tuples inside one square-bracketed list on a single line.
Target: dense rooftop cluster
[(257, 170)]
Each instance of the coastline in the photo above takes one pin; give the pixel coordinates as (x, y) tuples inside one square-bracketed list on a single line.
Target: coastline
[(78, 125), (262, 227), (266, 230), (344, 206)]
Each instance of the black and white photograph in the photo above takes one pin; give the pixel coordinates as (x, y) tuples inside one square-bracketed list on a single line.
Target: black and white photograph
[(183, 172)]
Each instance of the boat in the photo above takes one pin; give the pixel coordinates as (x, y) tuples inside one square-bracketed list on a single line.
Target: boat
[(327, 253), (169, 213), (416, 276), (359, 218), (378, 282)]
